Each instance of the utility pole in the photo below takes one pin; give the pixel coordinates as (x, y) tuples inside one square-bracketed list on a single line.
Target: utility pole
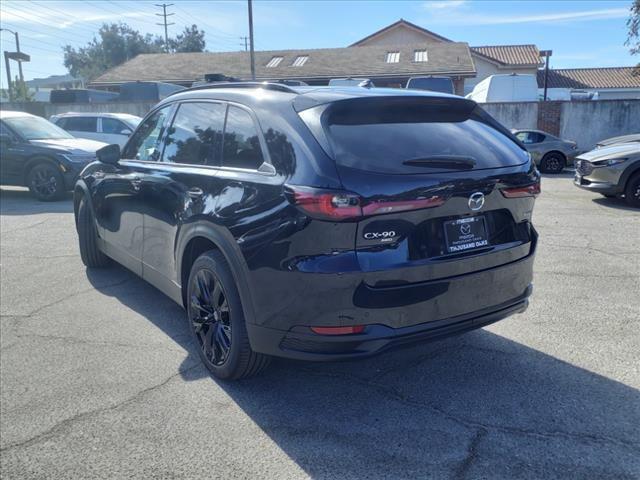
[(253, 60), (546, 54), (8, 67), (15, 34), (245, 41), (164, 14)]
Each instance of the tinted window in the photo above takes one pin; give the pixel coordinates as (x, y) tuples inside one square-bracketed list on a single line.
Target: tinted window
[(81, 124), (113, 126), (383, 136), (194, 136), (241, 141), (435, 84), (530, 137), (144, 145)]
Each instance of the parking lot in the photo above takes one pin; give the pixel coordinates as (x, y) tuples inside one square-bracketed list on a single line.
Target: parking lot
[(99, 378)]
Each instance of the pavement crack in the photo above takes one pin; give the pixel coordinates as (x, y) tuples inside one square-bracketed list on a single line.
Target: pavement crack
[(66, 424), (472, 454), (81, 341), (67, 297), (26, 227)]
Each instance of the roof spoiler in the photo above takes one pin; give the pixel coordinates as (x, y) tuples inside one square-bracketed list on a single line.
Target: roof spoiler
[(278, 87)]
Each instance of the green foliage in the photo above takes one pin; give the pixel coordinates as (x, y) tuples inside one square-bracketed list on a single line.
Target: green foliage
[(20, 92), (633, 23), (117, 43), (190, 40)]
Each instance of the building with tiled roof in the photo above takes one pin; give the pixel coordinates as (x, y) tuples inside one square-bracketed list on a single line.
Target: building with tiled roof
[(609, 82)]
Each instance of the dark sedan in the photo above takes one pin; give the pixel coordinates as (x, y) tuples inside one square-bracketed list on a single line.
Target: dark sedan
[(37, 154)]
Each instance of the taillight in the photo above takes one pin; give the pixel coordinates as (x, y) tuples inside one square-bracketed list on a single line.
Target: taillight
[(340, 205), (532, 190), (334, 205)]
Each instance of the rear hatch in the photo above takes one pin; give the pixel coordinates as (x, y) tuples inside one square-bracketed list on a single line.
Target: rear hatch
[(438, 180)]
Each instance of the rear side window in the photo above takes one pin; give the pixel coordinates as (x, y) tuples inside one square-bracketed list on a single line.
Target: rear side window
[(530, 137), (113, 126), (195, 134), (408, 138), (81, 124), (241, 147)]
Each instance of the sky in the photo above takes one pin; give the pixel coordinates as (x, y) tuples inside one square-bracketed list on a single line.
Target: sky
[(580, 33)]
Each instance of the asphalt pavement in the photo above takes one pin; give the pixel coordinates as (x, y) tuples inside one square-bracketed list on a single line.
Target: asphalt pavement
[(98, 377)]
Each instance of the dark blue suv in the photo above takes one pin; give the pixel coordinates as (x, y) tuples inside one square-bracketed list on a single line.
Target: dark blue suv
[(316, 223)]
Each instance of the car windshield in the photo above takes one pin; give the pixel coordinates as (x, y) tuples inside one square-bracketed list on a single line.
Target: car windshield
[(36, 128)]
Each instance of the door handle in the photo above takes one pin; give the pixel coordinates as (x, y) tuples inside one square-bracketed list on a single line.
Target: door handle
[(136, 182), (195, 192)]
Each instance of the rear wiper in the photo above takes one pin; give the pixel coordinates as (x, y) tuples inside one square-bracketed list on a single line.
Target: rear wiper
[(454, 162)]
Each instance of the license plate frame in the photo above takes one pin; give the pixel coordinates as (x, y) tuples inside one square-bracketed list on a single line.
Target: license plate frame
[(465, 234)]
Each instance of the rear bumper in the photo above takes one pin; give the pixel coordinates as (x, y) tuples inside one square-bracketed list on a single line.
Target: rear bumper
[(393, 316), (301, 344)]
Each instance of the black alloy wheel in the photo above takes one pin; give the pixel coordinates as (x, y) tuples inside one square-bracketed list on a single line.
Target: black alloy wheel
[(632, 191), (210, 316), (552, 163), (45, 182), (216, 319)]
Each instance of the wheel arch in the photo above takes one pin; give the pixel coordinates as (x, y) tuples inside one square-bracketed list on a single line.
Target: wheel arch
[(81, 190), (198, 238), (559, 152), (628, 173), (35, 160)]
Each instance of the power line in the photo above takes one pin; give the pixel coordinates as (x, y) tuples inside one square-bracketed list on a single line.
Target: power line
[(164, 15), (34, 17), (40, 33)]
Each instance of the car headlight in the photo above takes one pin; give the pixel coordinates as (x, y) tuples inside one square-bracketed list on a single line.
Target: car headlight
[(79, 158), (609, 162)]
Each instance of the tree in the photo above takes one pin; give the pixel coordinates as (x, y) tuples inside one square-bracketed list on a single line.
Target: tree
[(116, 43), (190, 40), (633, 38), (19, 92)]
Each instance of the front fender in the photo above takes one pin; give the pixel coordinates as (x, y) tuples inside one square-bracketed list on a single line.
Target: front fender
[(227, 244)]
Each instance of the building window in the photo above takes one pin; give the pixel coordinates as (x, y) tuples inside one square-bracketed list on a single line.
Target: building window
[(420, 56), (300, 61), (393, 57), (274, 62)]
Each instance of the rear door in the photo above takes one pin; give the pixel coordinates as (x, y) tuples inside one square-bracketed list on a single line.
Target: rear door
[(181, 186)]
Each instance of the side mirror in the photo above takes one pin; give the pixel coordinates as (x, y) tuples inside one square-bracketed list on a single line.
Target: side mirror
[(109, 154), (5, 139), (126, 131)]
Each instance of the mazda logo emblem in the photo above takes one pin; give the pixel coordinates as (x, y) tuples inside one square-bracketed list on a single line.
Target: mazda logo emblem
[(476, 201)]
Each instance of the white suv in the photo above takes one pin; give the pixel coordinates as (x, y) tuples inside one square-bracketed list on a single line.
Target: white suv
[(104, 127)]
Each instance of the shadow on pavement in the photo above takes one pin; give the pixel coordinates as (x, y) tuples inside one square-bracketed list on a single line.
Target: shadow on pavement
[(615, 202), (478, 405), (16, 201)]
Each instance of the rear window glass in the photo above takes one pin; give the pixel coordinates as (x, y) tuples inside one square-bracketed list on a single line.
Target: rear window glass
[(385, 139)]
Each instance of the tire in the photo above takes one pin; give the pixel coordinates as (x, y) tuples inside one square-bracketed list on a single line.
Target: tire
[(632, 191), (216, 320), (552, 163), (45, 182), (607, 195), (90, 254)]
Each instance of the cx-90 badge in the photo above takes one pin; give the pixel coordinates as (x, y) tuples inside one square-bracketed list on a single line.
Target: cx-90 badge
[(476, 201), (383, 236)]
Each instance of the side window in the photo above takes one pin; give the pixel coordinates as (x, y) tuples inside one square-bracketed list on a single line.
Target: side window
[(241, 147), (82, 124), (113, 126), (195, 134), (537, 137), (61, 122), (145, 142)]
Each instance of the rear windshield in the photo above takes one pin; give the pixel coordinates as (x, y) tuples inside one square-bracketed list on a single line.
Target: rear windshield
[(443, 85), (413, 138)]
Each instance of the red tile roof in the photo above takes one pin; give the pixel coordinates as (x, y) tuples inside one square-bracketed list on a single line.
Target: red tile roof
[(510, 54), (614, 77)]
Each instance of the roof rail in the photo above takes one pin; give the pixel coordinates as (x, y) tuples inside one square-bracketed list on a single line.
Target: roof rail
[(279, 87)]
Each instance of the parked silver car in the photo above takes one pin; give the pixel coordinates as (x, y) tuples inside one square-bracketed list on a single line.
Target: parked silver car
[(551, 154), (611, 171), (634, 137)]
